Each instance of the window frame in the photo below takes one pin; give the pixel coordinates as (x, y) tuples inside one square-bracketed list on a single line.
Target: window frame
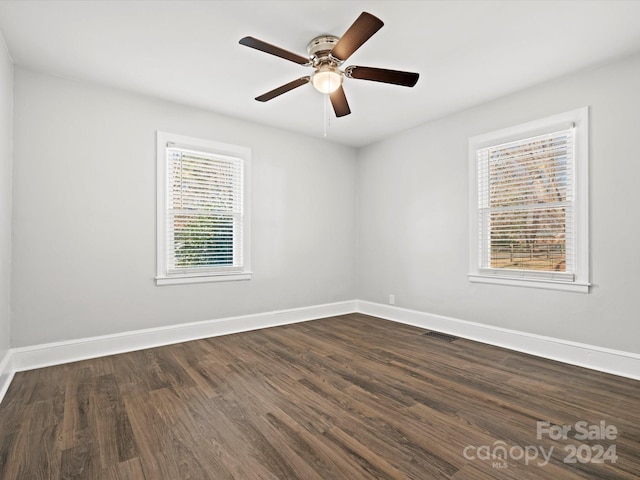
[(579, 120), (163, 276)]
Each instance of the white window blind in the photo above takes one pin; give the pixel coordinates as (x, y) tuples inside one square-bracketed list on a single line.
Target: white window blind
[(204, 211), (203, 215), (526, 207), (529, 204)]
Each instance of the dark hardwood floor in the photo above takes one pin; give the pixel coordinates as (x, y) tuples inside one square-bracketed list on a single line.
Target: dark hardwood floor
[(350, 397)]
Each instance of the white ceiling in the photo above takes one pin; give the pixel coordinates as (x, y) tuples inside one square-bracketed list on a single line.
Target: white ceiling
[(467, 52)]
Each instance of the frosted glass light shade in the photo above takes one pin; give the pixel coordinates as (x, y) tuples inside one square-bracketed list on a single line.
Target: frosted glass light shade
[(327, 79)]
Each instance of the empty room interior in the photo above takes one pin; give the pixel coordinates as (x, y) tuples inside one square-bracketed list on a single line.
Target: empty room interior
[(319, 240)]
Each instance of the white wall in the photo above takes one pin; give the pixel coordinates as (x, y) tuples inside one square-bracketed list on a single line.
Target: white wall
[(413, 219), (6, 149), (84, 215)]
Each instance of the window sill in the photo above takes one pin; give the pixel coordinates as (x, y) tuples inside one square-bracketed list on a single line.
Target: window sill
[(531, 283), (183, 279)]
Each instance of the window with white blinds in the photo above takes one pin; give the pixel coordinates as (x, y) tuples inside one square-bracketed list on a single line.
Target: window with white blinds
[(525, 196), (527, 210), (203, 210)]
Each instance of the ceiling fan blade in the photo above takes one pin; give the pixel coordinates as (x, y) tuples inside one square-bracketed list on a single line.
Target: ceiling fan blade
[(396, 77), (273, 50), (339, 102), (362, 30), (283, 89)]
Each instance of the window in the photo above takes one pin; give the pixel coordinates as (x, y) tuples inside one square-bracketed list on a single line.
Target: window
[(203, 211), (528, 204)]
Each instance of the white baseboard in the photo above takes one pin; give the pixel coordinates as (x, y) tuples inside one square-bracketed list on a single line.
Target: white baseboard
[(45, 355), (616, 362), (625, 364)]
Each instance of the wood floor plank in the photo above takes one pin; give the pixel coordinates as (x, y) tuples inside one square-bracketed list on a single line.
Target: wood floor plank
[(311, 447), (154, 440), (115, 436), (128, 470), (222, 439), (202, 457), (78, 386), (352, 397), (34, 451)]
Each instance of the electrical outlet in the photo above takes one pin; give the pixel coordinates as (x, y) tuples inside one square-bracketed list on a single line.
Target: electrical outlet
[(392, 299)]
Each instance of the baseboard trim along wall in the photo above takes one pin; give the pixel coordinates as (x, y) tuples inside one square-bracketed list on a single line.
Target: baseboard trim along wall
[(45, 355), (616, 362), (625, 364)]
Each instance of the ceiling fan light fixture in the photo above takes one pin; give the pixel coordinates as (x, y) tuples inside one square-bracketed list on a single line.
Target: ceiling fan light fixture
[(327, 79), (326, 54)]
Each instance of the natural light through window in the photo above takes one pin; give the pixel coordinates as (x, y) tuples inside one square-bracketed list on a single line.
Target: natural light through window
[(530, 222), (202, 210), (526, 203)]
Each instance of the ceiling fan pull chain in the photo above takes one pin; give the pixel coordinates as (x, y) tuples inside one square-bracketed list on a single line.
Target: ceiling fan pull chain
[(324, 115), (326, 120)]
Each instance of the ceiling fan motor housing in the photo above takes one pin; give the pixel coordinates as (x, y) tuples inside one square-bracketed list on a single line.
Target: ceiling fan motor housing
[(320, 47)]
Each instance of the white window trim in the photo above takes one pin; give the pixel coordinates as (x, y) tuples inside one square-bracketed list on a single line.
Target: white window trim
[(244, 153), (580, 119)]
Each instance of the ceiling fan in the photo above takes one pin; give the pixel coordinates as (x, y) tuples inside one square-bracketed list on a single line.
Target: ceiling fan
[(326, 54)]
